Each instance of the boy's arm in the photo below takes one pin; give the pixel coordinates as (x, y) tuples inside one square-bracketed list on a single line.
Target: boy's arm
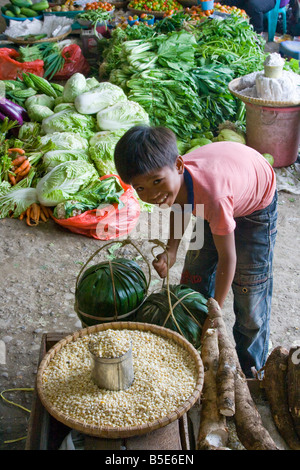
[(175, 237), (225, 246)]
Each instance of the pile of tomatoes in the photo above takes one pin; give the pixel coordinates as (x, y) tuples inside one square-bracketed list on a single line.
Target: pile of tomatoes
[(197, 13), (229, 10), (105, 6)]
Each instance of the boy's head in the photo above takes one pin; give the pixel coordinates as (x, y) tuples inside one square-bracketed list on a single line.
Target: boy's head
[(143, 149), (147, 158)]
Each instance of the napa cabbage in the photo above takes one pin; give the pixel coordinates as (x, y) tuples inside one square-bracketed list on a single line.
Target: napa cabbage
[(64, 181), (123, 115), (66, 141), (74, 86), (101, 147), (37, 112), (104, 95), (69, 121), (40, 99), (54, 158)]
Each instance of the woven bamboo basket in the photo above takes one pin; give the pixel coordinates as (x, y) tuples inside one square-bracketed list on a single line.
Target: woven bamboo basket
[(234, 86), (129, 431), (20, 41)]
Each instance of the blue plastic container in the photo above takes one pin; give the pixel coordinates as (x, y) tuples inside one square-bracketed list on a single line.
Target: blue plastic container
[(149, 21), (207, 5), (132, 22), (7, 18)]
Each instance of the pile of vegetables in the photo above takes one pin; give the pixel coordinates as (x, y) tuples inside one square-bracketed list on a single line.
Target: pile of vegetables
[(159, 5), (281, 382), (24, 8), (180, 76), (64, 143)]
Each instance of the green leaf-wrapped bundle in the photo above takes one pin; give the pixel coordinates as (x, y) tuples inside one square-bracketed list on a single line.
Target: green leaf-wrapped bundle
[(189, 310), (109, 291)]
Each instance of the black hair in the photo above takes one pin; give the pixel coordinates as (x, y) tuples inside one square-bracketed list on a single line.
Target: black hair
[(143, 149)]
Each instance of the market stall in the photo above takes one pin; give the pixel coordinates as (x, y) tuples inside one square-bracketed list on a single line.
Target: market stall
[(74, 78)]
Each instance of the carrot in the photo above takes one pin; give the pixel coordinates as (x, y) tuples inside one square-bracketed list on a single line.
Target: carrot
[(17, 150), (17, 161), (21, 216), (35, 212), (22, 167), (28, 216), (44, 210), (25, 172), (43, 217), (12, 179)]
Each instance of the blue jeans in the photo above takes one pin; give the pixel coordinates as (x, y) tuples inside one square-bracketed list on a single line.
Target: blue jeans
[(252, 285)]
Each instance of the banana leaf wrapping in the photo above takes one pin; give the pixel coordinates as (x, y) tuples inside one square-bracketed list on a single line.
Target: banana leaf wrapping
[(110, 291), (188, 307)]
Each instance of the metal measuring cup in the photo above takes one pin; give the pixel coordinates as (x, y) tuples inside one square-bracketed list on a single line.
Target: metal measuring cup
[(113, 373)]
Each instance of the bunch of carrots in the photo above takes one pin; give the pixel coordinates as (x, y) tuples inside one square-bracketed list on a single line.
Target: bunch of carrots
[(20, 165), (35, 214)]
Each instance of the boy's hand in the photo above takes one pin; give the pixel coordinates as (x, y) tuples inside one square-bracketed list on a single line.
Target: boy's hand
[(160, 264)]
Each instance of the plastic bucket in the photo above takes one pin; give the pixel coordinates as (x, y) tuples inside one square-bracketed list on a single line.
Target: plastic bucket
[(209, 5), (275, 131)]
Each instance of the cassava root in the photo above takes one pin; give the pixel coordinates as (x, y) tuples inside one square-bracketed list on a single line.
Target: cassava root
[(213, 432), (235, 395)]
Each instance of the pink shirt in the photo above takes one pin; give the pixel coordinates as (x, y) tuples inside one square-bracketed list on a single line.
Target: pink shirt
[(230, 180)]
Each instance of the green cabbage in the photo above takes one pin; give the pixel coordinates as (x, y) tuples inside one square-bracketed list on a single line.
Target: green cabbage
[(40, 99), (102, 147), (69, 121), (122, 115), (74, 86), (66, 141), (37, 112), (64, 181), (54, 158)]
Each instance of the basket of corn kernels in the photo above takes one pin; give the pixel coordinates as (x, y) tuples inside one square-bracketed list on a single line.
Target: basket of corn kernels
[(168, 380)]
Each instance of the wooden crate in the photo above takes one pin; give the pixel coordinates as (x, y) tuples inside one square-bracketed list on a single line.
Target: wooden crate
[(46, 433)]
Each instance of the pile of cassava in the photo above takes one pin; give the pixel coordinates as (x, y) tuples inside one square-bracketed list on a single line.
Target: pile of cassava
[(226, 393)]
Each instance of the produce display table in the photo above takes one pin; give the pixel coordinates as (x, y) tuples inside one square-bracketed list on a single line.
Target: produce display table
[(46, 433)]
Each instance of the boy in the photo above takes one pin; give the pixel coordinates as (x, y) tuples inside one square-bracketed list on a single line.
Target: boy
[(237, 188)]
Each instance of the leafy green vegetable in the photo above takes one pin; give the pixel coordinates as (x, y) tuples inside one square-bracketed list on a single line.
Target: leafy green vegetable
[(100, 97), (64, 181), (107, 191), (17, 201), (102, 147), (74, 86), (122, 115), (37, 112), (66, 140), (40, 99), (54, 158), (69, 121)]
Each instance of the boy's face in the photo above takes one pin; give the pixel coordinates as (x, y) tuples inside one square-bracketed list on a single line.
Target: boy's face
[(163, 186)]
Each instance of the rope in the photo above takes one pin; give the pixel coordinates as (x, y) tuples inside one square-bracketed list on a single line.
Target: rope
[(17, 405)]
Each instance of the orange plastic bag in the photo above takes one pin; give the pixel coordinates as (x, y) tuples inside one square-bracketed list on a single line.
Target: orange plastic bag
[(108, 222), (10, 68), (75, 62)]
